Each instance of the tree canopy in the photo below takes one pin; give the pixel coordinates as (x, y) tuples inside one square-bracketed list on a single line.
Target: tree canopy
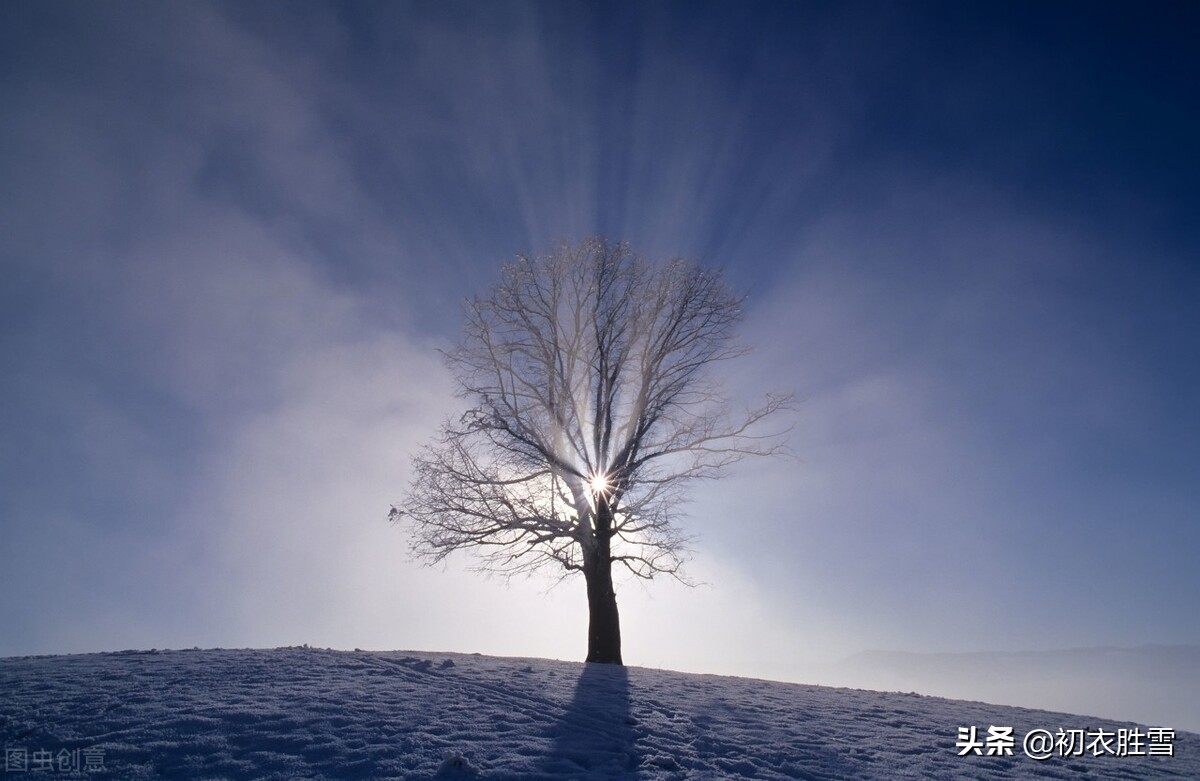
[(590, 408)]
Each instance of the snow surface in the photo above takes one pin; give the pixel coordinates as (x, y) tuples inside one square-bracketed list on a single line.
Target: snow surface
[(304, 713)]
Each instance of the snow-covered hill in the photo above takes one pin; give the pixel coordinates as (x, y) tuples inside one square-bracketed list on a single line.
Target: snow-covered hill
[(301, 713)]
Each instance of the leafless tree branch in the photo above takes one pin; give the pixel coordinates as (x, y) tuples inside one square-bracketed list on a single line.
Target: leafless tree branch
[(590, 409)]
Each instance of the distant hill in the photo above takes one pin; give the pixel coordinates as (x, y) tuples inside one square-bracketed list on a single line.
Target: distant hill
[(1152, 684), (301, 713)]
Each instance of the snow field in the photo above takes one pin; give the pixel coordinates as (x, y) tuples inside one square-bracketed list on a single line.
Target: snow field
[(303, 713)]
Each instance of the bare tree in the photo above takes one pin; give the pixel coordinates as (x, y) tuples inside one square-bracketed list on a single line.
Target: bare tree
[(590, 411)]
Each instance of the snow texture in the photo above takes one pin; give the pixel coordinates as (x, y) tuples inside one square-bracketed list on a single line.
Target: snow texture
[(304, 713)]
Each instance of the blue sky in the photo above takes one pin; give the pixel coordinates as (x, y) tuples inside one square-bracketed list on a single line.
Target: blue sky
[(233, 237)]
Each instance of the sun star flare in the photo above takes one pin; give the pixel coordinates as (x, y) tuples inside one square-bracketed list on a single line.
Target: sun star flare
[(600, 484)]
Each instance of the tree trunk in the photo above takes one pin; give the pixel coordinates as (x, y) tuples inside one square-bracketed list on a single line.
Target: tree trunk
[(604, 622)]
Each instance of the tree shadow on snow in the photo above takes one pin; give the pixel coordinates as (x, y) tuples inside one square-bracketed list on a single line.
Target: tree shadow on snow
[(595, 736)]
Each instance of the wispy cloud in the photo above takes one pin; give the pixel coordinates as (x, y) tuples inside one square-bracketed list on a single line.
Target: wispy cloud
[(234, 236)]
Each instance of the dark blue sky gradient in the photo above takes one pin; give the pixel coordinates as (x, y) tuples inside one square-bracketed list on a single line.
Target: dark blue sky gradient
[(233, 236)]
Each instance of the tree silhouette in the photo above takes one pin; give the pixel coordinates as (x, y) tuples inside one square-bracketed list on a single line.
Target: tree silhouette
[(590, 411)]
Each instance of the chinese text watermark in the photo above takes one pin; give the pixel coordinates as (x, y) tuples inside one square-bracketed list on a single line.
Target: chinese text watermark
[(1042, 744), (25, 760)]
